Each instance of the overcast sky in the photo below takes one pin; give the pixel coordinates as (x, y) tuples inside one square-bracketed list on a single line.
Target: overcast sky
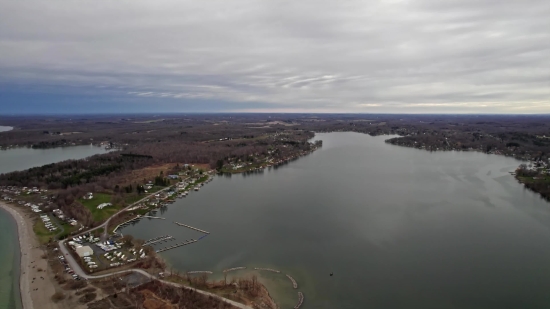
[(454, 56)]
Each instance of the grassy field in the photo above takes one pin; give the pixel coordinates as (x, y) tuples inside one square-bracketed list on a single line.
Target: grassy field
[(43, 234), (100, 215)]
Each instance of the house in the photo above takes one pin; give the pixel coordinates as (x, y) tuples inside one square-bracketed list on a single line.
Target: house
[(173, 176)]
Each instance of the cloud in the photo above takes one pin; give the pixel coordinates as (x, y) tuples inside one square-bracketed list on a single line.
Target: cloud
[(390, 56)]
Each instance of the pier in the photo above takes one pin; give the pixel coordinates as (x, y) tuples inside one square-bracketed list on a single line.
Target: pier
[(190, 227), (151, 217), (294, 283), (233, 269), (300, 300), (158, 239), (176, 246), (267, 269)]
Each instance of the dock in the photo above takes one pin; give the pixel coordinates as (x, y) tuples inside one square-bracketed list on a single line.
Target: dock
[(151, 217), (190, 227), (158, 239), (294, 283), (176, 246)]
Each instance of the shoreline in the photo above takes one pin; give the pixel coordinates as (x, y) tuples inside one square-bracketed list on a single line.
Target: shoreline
[(36, 283), (26, 302)]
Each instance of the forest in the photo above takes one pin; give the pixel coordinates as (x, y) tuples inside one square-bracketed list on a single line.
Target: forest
[(221, 141)]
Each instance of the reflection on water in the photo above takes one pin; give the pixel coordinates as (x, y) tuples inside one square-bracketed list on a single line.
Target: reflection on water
[(398, 227)]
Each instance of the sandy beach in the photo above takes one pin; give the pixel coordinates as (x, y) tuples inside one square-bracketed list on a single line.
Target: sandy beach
[(36, 282)]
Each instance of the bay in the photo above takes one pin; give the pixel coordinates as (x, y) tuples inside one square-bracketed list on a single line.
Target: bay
[(398, 227), (17, 159)]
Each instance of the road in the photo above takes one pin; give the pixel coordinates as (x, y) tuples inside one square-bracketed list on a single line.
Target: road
[(81, 273), (106, 223)]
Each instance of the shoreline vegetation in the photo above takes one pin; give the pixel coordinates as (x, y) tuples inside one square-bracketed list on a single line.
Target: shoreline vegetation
[(155, 162)]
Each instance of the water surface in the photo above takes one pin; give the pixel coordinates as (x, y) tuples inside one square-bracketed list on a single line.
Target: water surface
[(9, 259), (17, 159), (21, 159), (5, 128), (398, 227)]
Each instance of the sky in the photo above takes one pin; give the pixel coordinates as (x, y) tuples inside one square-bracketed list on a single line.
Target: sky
[(314, 56)]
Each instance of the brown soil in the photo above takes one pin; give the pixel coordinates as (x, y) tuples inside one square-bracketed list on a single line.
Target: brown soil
[(153, 302)]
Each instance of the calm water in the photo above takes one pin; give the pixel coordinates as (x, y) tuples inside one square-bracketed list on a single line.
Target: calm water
[(21, 159), (5, 128), (399, 227), (9, 275), (18, 159)]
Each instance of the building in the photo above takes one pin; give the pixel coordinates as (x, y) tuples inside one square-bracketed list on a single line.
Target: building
[(84, 251)]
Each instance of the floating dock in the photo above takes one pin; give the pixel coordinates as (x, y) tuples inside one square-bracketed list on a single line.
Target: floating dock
[(190, 227), (294, 283), (176, 246)]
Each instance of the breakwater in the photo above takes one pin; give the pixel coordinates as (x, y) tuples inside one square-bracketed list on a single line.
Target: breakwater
[(300, 300), (267, 269), (294, 283), (199, 272), (233, 269)]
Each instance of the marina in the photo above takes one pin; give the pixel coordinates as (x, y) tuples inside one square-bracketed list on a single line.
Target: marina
[(190, 227)]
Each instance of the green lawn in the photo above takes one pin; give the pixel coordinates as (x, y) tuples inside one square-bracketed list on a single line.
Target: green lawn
[(100, 215), (42, 232)]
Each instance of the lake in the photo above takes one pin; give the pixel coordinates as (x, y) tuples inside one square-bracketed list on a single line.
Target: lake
[(398, 227), (5, 128), (17, 159), (20, 159)]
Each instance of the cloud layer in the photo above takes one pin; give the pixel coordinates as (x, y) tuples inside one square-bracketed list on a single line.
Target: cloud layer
[(286, 56)]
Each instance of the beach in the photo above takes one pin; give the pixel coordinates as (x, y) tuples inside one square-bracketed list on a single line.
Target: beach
[(36, 283)]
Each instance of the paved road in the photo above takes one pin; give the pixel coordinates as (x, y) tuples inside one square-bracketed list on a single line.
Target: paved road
[(106, 223), (78, 270)]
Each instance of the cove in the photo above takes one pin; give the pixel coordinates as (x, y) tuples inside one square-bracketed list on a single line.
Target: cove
[(398, 227)]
